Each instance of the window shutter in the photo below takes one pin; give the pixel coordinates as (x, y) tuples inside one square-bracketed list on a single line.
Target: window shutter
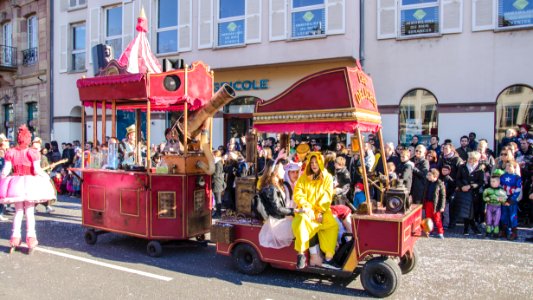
[(253, 21), (335, 16), (278, 20), (184, 25), (452, 16), (94, 26), (63, 5), (387, 19), (483, 15), (63, 60), (205, 21), (128, 23)]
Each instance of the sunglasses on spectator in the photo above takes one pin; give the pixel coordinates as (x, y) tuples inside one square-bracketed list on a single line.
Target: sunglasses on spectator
[(418, 151), (503, 154)]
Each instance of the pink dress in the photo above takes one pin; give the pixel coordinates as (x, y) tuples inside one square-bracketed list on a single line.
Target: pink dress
[(23, 184)]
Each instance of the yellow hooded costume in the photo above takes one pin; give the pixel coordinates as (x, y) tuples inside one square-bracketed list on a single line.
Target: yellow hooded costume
[(315, 194)]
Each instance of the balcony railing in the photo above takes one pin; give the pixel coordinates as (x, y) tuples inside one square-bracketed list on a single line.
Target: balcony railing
[(29, 56), (8, 56)]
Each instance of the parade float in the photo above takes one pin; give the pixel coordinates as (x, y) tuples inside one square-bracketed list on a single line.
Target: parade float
[(336, 101), (160, 204)]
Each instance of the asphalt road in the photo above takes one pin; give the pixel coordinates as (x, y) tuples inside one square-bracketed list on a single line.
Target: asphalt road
[(65, 267)]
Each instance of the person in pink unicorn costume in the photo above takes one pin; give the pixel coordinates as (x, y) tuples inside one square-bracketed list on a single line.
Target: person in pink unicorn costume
[(26, 186)]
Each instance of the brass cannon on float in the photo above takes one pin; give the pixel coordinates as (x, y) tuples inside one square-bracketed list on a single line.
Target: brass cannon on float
[(158, 206)]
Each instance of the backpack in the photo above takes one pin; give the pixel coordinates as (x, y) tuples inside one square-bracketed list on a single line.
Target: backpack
[(258, 209)]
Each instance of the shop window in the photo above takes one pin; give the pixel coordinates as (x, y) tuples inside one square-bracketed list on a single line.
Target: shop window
[(308, 18), (514, 106), (113, 29), (9, 120), (78, 47), (514, 14), (418, 116), (33, 116), (241, 105)]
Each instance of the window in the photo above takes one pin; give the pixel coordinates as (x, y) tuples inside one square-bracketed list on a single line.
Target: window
[(514, 106), (515, 13), (231, 20), (8, 52), (76, 3), (33, 33), (113, 29), (9, 120), (418, 116), (78, 47), (33, 116), (419, 17), (308, 18), (167, 26)]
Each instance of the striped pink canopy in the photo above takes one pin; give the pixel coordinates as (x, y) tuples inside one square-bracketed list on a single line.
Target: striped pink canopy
[(138, 56)]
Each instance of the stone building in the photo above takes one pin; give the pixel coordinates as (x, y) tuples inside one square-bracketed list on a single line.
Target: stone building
[(24, 67)]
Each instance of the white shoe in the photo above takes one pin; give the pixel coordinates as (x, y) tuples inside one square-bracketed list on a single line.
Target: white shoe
[(3, 219), (49, 209)]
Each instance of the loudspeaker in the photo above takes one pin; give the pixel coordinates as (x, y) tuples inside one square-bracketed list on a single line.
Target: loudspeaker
[(397, 200), (172, 64), (101, 54)]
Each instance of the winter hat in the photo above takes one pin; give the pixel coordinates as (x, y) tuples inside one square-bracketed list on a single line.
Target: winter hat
[(497, 173)]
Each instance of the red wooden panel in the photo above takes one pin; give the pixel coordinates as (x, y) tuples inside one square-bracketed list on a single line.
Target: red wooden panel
[(165, 226), (129, 202), (96, 198), (377, 236), (198, 206)]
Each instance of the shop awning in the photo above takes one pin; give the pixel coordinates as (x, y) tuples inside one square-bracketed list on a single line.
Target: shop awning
[(331, 101)]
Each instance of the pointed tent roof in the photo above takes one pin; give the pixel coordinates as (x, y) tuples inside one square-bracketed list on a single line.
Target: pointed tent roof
[(138, 57)]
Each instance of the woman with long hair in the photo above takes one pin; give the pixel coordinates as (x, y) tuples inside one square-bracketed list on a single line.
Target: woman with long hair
[(276, 231), (26, 186)]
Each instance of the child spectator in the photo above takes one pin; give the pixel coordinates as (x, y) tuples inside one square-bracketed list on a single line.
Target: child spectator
[(449, 185), (70, 183), (435, 199), (58, 179), (393, 177), (63, 185), (359, 195), (494, 197), (341, 181), (512, 184)]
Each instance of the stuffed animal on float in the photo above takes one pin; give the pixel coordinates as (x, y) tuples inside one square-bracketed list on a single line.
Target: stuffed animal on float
[(427, 226)]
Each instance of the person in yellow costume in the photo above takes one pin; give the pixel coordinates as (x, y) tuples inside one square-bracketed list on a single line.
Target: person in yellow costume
[(313, 194)]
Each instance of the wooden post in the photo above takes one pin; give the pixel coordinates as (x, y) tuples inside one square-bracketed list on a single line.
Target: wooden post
[(114, 118), (363, 167), (95, 124), (82, 136), (185, 119), (104, 120), (137, 154), (383, 157), (148, 144)]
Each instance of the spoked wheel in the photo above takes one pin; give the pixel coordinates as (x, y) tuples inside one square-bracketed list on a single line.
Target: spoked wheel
[(408, 261), (248, 260), (154, 249), (381, 277), (90, 236)]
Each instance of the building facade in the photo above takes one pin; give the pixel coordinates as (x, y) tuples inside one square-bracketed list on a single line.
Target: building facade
[(260, 47), (24, 67), (450, 67)]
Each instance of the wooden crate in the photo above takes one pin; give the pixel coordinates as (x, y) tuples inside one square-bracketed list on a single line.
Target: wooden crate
[(245, 189), (180, 164), (222, 233)]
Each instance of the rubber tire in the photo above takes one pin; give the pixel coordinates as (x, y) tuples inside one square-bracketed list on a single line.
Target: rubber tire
[(407, 263), (247, 260), (90, 237), (200, 238), (154, 249), (381, 277)]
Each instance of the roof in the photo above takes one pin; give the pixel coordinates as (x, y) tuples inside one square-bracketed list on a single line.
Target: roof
[(332, 101)]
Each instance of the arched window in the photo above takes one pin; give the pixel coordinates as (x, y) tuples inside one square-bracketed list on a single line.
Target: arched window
[(514, 106), (418, 116)]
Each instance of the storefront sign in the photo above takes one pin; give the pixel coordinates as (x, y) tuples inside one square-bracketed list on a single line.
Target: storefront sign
[(245, 85), (308, 23), (515, 13), (231, 33), (419, 21)]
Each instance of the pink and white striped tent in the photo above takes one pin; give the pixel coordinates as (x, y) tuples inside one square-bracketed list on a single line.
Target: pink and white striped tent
[(138, 57)]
